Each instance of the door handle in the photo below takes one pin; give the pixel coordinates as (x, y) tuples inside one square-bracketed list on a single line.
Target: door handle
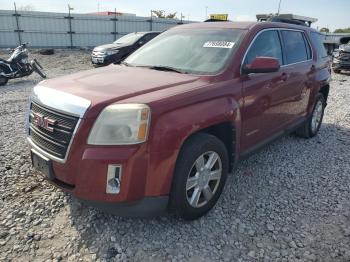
[(284, 77)]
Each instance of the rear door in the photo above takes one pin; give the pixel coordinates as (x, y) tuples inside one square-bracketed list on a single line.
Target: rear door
[(299, 71)]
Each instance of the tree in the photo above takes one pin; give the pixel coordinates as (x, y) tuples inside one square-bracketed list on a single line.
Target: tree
[(26, 8), (171, 15), (324, 30), (345, 30), (161, 14)]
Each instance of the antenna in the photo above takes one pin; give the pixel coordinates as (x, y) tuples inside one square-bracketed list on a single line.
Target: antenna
[(279, 7)]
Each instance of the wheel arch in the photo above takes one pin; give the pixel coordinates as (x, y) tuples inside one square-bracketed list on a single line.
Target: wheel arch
[(222, 118), (226, 133), (324, 90)]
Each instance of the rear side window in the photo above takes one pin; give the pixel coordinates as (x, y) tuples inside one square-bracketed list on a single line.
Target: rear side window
[(266, 44), (316, 39), (296, 47)]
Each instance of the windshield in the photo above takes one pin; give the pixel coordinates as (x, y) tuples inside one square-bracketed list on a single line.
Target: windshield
[(128, 39), (196, 51)]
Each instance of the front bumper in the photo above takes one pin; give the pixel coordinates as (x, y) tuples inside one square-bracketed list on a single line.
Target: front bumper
[(146, 207), (90, 178), (104, 60)]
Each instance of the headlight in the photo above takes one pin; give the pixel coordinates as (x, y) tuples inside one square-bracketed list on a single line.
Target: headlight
[(111, 52), (121, 124)]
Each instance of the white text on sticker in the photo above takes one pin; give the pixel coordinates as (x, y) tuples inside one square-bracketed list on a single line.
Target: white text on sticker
[(219, 44)]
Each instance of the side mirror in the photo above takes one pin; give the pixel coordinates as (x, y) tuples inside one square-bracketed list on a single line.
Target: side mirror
[(262, 65)]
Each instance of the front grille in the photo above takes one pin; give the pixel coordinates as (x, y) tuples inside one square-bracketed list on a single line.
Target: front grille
[(98, 53), (54, 142)]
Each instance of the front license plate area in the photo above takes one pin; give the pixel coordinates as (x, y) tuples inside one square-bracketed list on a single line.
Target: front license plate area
[(43, 165)]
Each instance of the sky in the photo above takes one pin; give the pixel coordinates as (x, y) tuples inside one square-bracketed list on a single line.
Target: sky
[(332, 14)]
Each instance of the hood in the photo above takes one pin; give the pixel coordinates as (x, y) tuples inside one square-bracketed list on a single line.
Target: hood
[(109, 47), (114, 83)]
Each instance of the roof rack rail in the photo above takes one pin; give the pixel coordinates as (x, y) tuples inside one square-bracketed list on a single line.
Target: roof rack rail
[(287, 18)]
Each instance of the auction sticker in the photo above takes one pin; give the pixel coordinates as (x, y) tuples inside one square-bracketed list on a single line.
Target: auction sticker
[(219, 44)]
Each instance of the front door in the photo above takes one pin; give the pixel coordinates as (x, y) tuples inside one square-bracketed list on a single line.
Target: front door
[(264, 94)]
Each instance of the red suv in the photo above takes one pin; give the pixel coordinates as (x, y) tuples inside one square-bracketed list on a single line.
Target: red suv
[(162, 130)]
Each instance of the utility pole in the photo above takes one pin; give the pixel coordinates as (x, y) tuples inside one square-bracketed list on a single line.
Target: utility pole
[(70, 26), (150, 21), (17, 24), (279, 7), (206, 13), (115, 24)]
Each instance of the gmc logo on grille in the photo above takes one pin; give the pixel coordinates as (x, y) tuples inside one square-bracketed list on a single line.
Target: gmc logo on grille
[(43, 122)]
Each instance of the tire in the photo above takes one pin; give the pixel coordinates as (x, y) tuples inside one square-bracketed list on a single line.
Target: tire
[(310, 128), (37, 70), (48, 51), (183, 200), (3, 80)]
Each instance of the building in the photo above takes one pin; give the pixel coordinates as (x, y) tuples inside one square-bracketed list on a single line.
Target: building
[(334, 40), (111, 13)]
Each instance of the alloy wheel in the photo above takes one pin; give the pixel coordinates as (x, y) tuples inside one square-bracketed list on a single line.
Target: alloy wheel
[(203, 179), (317, 116)]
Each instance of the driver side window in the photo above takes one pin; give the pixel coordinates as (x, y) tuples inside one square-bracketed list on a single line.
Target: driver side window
[(267, 44)]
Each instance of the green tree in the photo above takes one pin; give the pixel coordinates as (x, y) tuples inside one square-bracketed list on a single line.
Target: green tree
[(171, 15), (345, 30), (161, 14), (324, 30)]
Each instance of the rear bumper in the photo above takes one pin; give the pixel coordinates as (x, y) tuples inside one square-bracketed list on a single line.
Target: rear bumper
[(146, 207), (339, 64)]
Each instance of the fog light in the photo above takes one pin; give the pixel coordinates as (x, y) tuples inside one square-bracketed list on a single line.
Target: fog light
[(114, 175)]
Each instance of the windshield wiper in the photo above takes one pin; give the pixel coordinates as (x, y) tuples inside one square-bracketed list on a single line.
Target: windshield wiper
[(125, 63), (159, 68), (167, 68)]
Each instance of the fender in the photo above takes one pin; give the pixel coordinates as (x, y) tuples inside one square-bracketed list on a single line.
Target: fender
[(322, 79), (174, 127), (7, 69)]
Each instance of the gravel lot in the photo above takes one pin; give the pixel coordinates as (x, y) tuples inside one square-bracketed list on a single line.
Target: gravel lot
[(289, 202)]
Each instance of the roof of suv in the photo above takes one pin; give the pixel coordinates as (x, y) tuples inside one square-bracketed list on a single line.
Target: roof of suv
[(244, 25)]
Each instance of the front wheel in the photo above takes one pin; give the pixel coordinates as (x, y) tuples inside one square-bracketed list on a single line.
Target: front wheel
[(199, 177), (37, 68), (311, 127)]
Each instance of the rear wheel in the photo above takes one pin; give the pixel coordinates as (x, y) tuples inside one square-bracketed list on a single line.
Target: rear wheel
[(199, 177), (311, 127), (3, 80)]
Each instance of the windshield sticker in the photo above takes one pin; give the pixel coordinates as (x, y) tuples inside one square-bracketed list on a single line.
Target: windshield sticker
[(219, 44)]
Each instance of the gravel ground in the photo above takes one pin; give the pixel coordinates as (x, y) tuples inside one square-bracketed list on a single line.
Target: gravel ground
[(289, 202)]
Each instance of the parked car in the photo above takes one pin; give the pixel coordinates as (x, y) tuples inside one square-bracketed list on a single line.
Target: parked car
[(341, 58), (162, 130), (117, 51)]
